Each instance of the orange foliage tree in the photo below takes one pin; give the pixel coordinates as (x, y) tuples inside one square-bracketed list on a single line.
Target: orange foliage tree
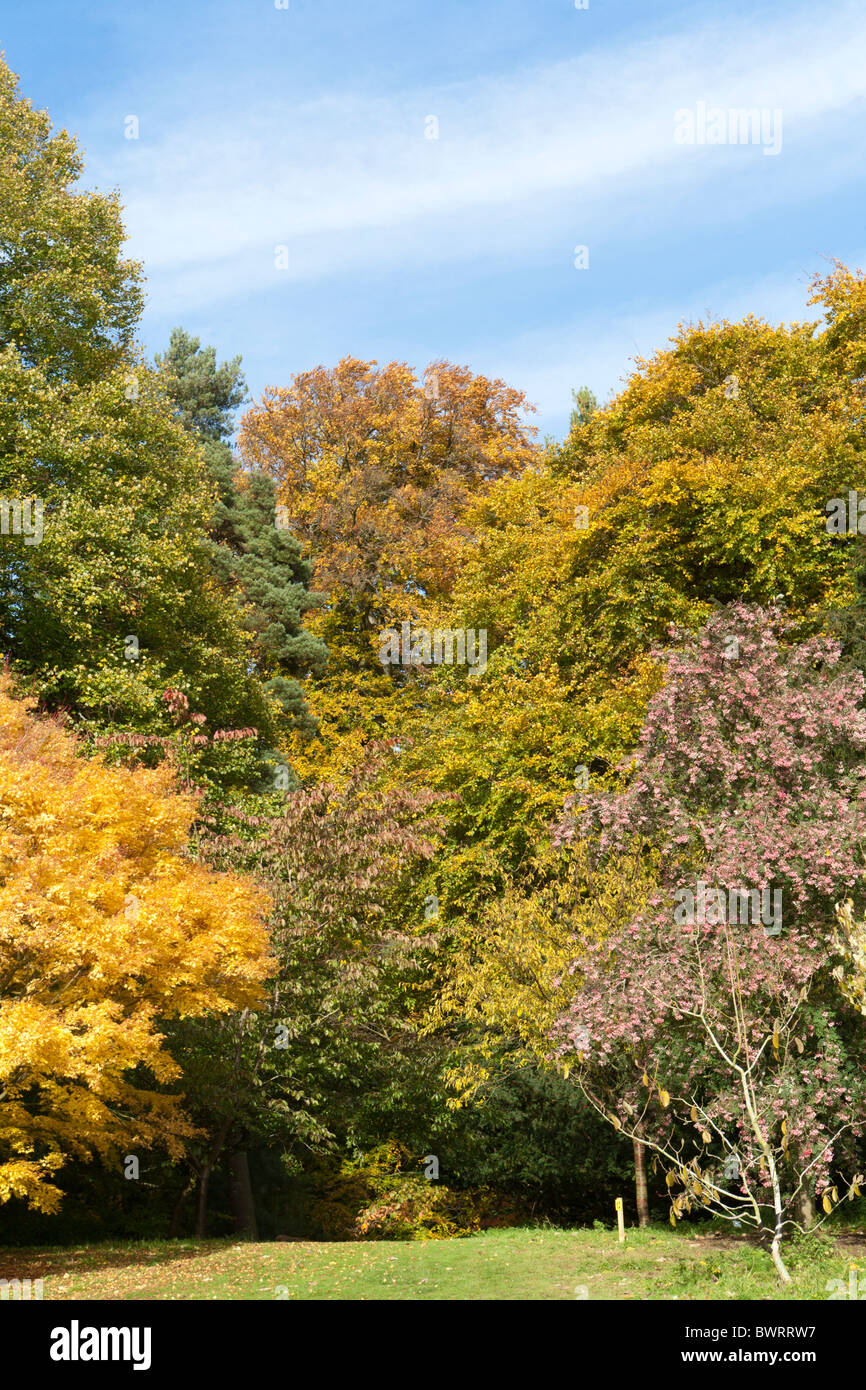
[(374, 467), (374, 470)]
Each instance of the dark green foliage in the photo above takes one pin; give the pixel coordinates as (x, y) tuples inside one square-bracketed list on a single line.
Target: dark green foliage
[(205, 396), (252, 555), (585, 406), (849, 624)]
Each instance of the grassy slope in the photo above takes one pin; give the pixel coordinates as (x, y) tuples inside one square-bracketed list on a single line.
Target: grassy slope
[(509, 1264)]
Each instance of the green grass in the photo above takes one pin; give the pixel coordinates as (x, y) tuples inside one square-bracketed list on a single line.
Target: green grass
[(512, 1264)]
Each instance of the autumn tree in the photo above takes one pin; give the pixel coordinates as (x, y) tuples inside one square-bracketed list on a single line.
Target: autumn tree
[(107, 932), (374, 469), (707, 479), (709, 1021), (351, 939)]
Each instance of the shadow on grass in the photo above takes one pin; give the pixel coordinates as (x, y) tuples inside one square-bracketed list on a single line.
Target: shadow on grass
[(36, 1263)]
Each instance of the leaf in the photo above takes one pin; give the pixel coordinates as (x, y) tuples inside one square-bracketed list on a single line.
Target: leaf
[(827, 1204), (665, 1099)]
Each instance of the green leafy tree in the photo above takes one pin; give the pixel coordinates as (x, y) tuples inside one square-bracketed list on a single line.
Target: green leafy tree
[(69, 303), (350, 936), (108, 595)]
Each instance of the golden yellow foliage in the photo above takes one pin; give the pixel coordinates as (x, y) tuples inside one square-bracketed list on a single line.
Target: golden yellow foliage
[(507, 977), (105, 929), (850, 940)]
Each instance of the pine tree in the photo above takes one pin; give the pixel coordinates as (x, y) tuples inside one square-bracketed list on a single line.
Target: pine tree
[(252, 553)]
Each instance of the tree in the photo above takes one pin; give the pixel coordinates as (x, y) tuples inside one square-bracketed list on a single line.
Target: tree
[(106, 932), (585, 406), (710, 1021), (705, 480), (500, 998), (107, 597), (374, 467), (373, 471), (68, 302), (253, 554), (350, 938), (205, 395)]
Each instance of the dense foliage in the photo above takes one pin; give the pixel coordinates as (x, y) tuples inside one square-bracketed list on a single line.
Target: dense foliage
[(355, 894)]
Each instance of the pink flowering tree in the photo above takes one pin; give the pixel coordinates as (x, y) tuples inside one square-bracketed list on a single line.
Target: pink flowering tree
[(710, 1026)]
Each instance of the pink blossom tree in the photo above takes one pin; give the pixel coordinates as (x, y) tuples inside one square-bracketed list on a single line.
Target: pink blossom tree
[(710, 1025)]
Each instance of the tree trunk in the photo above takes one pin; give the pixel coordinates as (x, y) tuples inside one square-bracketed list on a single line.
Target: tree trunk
[(805, 1209), (174, 1225), (201, 1205), (243, 1203), (643, 1218)]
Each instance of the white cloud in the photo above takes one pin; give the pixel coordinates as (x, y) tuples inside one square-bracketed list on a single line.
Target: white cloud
[(599, 351), (348, 183)]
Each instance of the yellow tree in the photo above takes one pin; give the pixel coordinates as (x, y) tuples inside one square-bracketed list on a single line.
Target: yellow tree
[(105, 930), (711, 477), (374, 470), (509, 974)]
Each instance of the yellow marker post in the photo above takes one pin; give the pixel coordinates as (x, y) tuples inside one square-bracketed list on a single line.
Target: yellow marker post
[(620, 1219)]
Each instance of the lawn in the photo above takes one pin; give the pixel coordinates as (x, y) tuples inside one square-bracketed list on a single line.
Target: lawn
[(518, 1263)]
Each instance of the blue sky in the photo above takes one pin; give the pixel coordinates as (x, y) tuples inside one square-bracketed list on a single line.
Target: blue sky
[(307, 127)]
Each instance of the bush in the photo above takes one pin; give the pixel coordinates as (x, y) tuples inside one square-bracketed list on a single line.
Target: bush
[(384, 1196)]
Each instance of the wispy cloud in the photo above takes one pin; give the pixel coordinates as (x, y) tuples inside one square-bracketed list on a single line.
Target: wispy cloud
[(347, 183), (600, 350)]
